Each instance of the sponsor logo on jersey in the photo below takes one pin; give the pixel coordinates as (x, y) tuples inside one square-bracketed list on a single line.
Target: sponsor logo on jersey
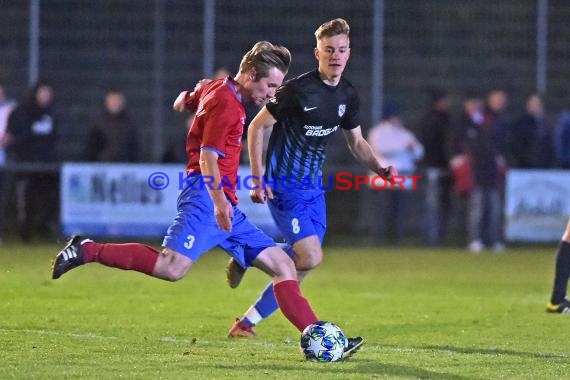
[(341, 109), (307, 109), (317, 130)]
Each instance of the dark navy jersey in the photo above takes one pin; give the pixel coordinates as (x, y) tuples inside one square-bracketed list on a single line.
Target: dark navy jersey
[(308, 112)]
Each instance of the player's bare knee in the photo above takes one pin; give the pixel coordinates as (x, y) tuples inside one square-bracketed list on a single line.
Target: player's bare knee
[(181, 267), (276, 263), (309, 260), (284, 267), (172, 266), (176, 272), (175, 275), (286, 270)]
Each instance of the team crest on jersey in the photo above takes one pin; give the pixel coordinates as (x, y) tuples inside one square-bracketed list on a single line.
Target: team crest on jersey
[(341, 109)]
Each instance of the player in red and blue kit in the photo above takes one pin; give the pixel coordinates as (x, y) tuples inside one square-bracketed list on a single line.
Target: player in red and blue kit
[(304, 114), (208, 215)]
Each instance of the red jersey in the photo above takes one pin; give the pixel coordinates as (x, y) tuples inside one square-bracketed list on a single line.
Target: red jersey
[(217, 126)]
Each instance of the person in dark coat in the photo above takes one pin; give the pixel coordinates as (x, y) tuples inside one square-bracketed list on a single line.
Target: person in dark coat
[(32, 139), (113, 137), (435, 136), (524, 135)]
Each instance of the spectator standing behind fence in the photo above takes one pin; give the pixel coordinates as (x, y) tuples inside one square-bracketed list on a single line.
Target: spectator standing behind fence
[(484, 142), (6, 107), (561, 140), (396, 146), (434, 134), (32, 138), (113, 136), (494, 114), (523, 136), (471, 115), (460, 164)]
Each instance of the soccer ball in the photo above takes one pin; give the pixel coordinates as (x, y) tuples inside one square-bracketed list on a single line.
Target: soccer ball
[(323, 342)]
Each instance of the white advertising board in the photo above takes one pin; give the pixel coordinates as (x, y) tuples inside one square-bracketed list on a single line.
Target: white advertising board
[(537, 204), (139, 200)]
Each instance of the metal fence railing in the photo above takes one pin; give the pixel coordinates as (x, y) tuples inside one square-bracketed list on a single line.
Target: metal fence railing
[(85, 48)]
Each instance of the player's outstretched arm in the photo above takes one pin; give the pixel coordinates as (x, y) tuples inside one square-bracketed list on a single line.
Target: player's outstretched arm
[(262, 121), (364, 153), (179, 102), (187, 100)]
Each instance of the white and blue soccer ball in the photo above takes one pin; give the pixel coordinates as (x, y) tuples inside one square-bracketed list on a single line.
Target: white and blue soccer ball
[(323, 342)]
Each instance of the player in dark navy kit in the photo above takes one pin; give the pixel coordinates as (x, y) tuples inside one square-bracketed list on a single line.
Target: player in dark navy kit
[(558, 301), (304, 114), (209, 218)]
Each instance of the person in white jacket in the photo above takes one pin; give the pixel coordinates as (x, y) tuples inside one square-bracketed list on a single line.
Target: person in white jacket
[(396, 146)]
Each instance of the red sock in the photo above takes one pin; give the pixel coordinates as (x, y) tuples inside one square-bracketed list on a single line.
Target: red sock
[(131, 256), (293, 304)]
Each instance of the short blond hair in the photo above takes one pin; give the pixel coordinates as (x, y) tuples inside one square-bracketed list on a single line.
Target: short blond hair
[(332, 28), (264, 56)]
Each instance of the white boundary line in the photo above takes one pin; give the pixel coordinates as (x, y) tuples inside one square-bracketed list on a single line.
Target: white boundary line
[(272, 345)]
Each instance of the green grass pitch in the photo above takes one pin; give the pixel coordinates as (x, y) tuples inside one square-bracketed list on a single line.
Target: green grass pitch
[(425, 314)]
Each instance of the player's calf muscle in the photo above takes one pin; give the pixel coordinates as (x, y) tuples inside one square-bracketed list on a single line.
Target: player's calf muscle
[(308, 253)]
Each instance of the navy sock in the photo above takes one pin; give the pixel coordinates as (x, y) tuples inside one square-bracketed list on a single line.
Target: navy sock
[(267, 304), (562, 273)]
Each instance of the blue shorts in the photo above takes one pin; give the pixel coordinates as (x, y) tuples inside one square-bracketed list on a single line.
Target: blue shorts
[(195, 230), (299, 214)]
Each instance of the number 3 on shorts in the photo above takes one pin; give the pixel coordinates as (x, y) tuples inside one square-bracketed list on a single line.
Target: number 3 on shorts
[(190, 242), (295, 226)]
